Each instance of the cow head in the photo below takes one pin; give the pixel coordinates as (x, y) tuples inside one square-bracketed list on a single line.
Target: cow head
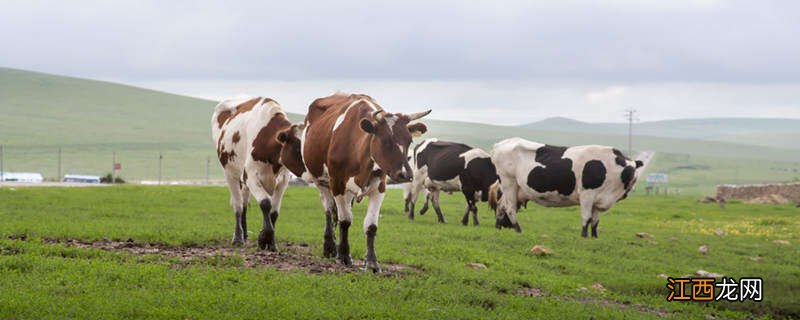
[(291, 155), (391, 137)]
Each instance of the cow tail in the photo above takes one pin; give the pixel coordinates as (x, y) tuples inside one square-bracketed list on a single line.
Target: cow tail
[(494, 195)]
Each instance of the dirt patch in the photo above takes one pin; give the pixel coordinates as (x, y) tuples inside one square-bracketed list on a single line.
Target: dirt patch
[(290, 256)]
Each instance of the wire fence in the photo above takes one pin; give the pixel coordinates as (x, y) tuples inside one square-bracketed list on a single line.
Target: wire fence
[(172, 165)]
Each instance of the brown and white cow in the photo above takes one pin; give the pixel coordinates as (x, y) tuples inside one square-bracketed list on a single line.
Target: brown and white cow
[(350, 145), (249, 134), (594, 177)]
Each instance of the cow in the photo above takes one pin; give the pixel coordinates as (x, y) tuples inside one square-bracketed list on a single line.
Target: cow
[(350, 145), (250, 135), (449, 166), (594, 177)]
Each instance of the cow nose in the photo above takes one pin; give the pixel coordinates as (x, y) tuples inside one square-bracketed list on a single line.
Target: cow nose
[(403, 176)]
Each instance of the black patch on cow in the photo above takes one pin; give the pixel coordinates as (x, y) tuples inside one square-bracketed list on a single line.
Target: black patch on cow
[(555, 174), (479, 175), (442, 159), (639, 163), (620, 158), (627, 176), (594, 174)]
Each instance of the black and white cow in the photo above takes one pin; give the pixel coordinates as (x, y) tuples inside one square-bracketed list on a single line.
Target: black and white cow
[(594, 177), (449, 166)]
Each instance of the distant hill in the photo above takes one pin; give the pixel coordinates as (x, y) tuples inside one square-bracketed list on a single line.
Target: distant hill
[(782, 133), (89, 120)]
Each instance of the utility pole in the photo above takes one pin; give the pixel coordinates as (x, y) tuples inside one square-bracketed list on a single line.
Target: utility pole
[(630, 115), (59, 164), (160, 158)]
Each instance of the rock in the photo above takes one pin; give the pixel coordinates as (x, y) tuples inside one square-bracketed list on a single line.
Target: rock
[(719, 232), (645, 235), (476, 265), (599, 287), (663, 276), (703, 249), (781, 241), (756, 258), (530, 292), (540, 250), (582, 289), (707, 274)]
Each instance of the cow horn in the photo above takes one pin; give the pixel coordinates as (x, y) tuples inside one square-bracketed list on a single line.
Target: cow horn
[(415, 116), (376, 115)]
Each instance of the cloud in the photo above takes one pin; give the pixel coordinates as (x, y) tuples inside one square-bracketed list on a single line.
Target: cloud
[(606, 95), (613, 41)]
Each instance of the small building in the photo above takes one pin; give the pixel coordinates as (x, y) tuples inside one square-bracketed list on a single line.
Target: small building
[(33, 177), (81, 178)]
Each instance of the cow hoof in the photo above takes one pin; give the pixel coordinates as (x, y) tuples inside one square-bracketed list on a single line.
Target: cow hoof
[(345, 260), (237, 242), (517, 228), (464, 222), (372, 266), (329, 251), (441, 221), (411, 217), (264, 244)]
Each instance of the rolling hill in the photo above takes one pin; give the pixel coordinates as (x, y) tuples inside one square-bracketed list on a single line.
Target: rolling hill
[(781, 133), (89, 120)]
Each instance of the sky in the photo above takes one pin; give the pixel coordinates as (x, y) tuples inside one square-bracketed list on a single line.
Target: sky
[(503, 62)]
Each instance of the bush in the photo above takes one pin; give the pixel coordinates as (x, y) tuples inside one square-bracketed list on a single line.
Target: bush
[(107, 179)]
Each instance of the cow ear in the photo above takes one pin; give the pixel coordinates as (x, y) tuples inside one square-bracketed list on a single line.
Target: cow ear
[(639, 163), (367, 126), (417, 129)]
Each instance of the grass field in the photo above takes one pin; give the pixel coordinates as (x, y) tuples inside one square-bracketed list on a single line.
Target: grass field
[(43, 280)]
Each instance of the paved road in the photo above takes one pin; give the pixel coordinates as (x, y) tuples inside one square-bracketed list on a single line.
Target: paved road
[(645, 156)]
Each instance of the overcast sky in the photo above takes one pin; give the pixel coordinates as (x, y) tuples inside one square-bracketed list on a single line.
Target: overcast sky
[(506, 62)]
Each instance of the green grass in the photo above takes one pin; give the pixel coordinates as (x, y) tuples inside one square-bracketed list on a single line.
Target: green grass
[(51, 281)]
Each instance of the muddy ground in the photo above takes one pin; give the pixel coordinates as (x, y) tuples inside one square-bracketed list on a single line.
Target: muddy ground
[(289, 257)]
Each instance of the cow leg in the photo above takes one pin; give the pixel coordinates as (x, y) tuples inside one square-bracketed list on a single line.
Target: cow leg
[(425, 205), (474, 213), (277, 197), (245, 204), (371, 228), (595, 221), (329, 246), (586, 217), (465, 219), (506, 214), (345, 214), (411, 191), (435, 201), (238, 209)]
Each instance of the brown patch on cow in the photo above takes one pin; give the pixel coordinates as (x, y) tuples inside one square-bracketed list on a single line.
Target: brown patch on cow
[(224, 156), (222, 117), (291, 257), (236, 137), (266, 147), (246, 106)]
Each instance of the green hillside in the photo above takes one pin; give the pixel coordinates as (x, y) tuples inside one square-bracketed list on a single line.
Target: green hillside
[(780, 133), (89, 120)]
